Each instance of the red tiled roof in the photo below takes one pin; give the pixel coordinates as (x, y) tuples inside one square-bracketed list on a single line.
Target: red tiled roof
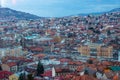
[(106, 63), (84, 77), (64, 60), (37, 49), (39, 55), (28, 60), (10, 64), (58, 70), (4, 74), (62, 70), (116, 77), (69, 76), (75, 62), (47, 73), (80, 68)]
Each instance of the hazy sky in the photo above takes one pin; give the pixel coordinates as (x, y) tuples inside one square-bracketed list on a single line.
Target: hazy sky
[(58, 8)]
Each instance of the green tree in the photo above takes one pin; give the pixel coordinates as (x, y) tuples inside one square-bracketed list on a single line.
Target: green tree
[(90, 61), (22, 76), (30, 77), (86, 72), (0, 68), (40, 68)]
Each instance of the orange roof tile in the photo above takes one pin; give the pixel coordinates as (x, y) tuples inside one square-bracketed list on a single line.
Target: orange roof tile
[(11, 64), (39, 55), (116, 77)]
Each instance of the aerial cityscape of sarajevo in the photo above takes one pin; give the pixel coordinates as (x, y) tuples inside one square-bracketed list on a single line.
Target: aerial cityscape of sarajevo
[(80, 47)]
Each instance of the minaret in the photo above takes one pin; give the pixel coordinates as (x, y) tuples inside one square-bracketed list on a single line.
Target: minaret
[(53, 72)]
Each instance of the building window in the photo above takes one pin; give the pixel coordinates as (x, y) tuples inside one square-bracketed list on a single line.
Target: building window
[(93, 52)]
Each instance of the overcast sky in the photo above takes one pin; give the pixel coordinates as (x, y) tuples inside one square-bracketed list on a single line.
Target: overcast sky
[(58, 8)]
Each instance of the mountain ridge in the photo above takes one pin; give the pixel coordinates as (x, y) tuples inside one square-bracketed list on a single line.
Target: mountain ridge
[(99, 13), (7, 12)]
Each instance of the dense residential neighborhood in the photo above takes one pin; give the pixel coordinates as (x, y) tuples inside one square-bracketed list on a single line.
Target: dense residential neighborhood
[(66, 48)]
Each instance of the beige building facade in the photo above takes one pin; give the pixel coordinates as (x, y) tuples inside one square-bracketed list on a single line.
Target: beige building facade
[(96, 50), (16, 51)]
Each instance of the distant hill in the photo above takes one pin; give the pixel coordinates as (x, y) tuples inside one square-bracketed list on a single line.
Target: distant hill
[(115, 10), (99, 13), (7, 12)]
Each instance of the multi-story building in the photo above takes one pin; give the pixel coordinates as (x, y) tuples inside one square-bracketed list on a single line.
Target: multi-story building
[(10, 66), (84, 50), (104, 51), (97, 50), (15, 51)]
